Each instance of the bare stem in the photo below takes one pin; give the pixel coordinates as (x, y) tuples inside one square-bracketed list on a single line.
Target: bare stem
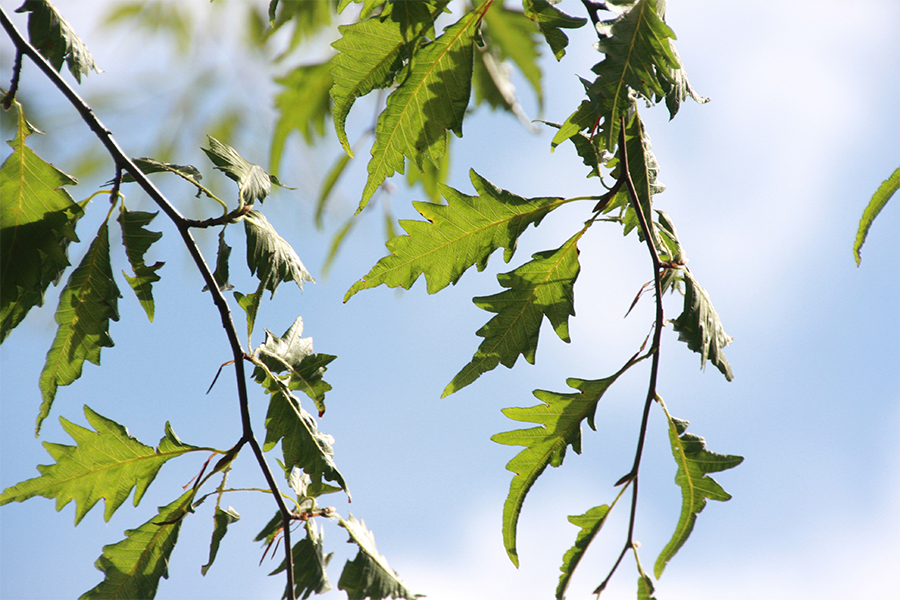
[(124, 163)]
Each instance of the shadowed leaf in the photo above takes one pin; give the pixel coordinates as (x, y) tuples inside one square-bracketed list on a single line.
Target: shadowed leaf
[(54, 38), (368, 575), (699, 326), (269, 256), (694, 463)]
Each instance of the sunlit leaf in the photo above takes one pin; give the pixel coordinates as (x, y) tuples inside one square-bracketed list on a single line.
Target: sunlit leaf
[(137, 240), (134, 566), (462, 233), (368, 575), (54, 38), (294, 355), (106, 463), (699, 326), (37, 223), (431, 100), (253, 181), (542, 287), (269, 256), (887, 189), (86, 305), (695, 462), (559, 421)]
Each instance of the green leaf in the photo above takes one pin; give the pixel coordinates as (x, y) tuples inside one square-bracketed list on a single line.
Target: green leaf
[(105, 463), (253, 181), (456, 236), (310, 564), (639, 57), (86, 306), (307, 16), (151, 165), (269, 256), (137, 241), (221, 274), (370, 53), (699, 326), (302, 105), (432, 177), (37, 222), (550, 21), (221, 521), (294, 355), (540, 288), (887, 189), (559, 426), (368, 575), (590, 523), (134, 566), (513, 34), (644, 171), (694, 463), (250, 304), (431, 100), (302, 444), (55, 39), (645, 588)]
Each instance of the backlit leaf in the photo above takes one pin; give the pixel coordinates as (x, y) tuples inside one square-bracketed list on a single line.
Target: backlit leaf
[(884, 192), (269, 256), (370, 53), (37, 223), (221, 521), (695, 462), (137, 240), (699, 326), (462, 233), (540, 288), (369, 575), (302, 106), (551, 21), (431, 100), (514, 35), (106, 463), (54, 38), (590, 523), (134, 566), (86, 305), (639, 57), (559, 421)]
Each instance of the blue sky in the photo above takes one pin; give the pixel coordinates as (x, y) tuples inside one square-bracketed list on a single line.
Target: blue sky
[(765, 183)]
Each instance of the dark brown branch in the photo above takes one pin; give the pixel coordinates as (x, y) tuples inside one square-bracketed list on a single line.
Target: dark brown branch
[(14, 82), (654, 348), (123, 162)]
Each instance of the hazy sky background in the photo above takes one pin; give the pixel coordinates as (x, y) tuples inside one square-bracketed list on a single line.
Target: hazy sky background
[(766, 184)]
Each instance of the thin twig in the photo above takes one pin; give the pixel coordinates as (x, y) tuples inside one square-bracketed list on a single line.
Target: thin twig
[(123, 162), (654, 348)]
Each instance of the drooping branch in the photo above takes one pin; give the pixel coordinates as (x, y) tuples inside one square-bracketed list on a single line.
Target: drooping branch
[(659, 321), (124, 163)]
